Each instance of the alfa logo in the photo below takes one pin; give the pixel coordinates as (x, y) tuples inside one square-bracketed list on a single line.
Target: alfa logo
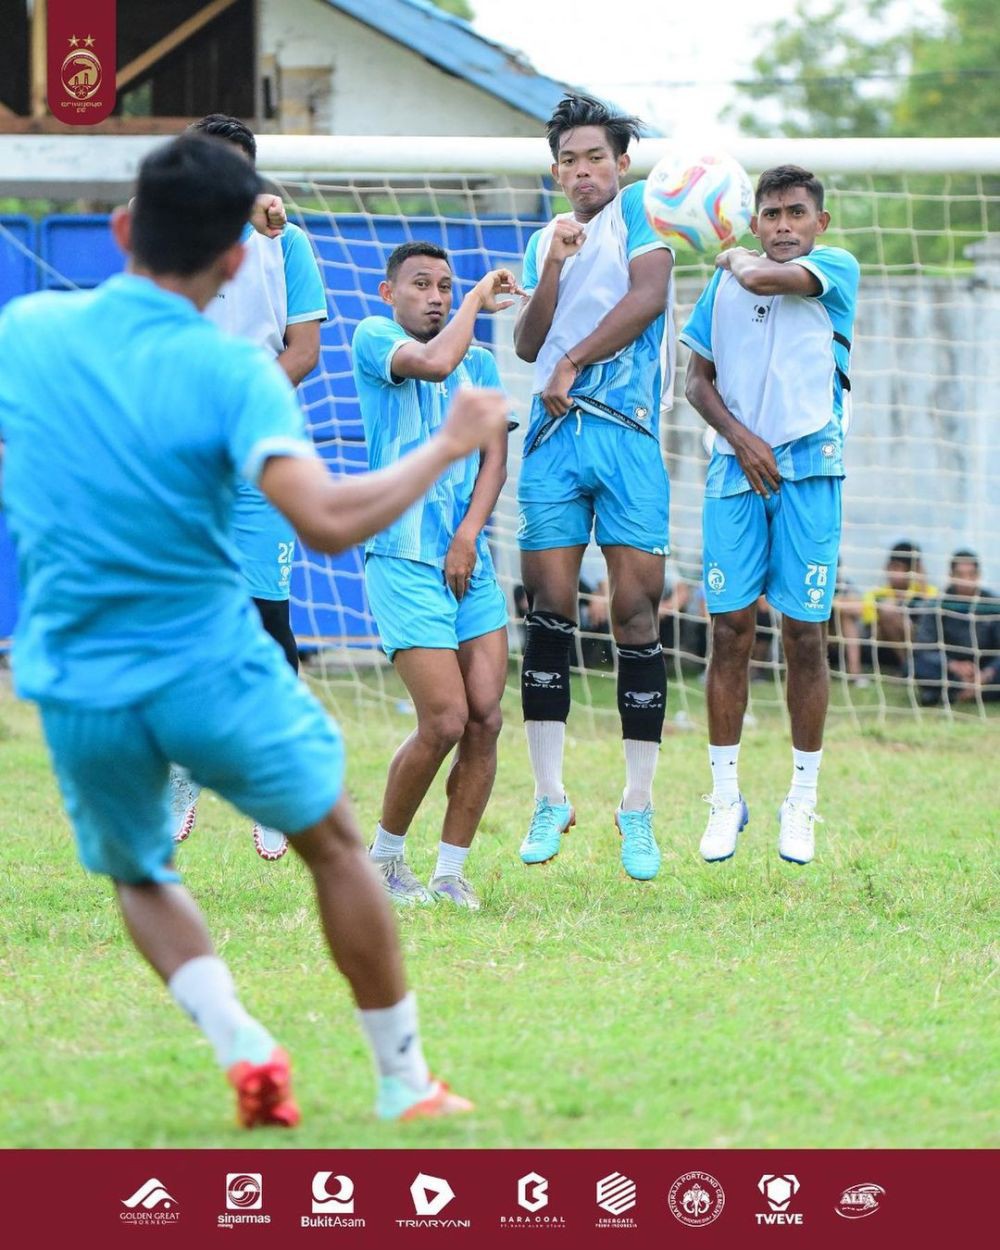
[(430, 1194), (532, 1192), (859, 1201)]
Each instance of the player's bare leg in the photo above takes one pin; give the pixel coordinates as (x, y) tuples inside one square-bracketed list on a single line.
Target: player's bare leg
[(433, 678), (483, 663), (361, 933), (635, 583), (726, 690), (552, 582), (170, 932), (805, 645)]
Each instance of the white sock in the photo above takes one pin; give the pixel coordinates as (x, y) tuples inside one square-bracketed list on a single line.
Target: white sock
[(394, 1037), (724, 762), (805, 776), (204, 988), (640, 767), (546, 742), (451, 860), (183, 791), (387, 845)]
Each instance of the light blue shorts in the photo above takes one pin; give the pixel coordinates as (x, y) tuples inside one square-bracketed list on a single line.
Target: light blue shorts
[(251, 731), (265, 542), (590, 470), (784, 547), (414, 607)]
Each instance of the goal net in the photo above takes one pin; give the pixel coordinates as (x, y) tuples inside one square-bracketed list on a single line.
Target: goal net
[(923, 454)]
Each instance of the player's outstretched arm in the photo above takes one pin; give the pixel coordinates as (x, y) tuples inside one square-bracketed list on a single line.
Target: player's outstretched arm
[(755, 456), (332, 514), (763, 276), (440, 356)]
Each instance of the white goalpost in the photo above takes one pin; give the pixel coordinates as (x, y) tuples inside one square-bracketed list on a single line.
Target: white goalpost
[(923, 454)]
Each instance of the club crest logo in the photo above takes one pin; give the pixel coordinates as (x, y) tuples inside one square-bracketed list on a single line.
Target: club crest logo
[(716, 579), (81, 72)]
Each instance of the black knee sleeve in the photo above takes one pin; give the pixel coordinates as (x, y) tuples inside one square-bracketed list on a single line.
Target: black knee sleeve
[(275, 616), (642, 691), (545, 666)]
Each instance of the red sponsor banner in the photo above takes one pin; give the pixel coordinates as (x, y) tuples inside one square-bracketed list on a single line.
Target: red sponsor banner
[(612, 1199), (82, 60)]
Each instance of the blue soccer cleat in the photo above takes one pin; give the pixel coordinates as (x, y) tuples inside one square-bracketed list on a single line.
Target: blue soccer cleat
[(640, 854), (544, 837)]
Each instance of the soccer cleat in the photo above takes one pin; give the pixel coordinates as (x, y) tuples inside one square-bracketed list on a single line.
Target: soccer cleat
[(796, 842), (455, 888), (183, 803), (269, 843), (396, 1100), (544, 837), (400, 882), (726, 822), (264, 1091), (640, 854)]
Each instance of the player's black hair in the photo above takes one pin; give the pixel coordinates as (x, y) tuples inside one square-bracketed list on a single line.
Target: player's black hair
[(783, 177), (905, 553), (192, 200), (229, 128), (578, 109), (416, 247), (963, 554)]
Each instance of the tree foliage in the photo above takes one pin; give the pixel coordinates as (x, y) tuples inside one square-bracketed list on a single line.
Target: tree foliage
[(457, 8)]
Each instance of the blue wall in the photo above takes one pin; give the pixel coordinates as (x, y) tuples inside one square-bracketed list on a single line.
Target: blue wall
[(327, 593)]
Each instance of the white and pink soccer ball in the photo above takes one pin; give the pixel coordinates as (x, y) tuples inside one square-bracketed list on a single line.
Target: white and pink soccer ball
[(702, 199)]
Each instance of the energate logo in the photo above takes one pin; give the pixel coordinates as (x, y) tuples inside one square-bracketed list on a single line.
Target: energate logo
[(150, 1204), (616, 1194), (859, 1201)]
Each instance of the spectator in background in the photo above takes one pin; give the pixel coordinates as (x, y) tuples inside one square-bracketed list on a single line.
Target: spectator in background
[(886, 609), (845, 639), (683, 619), (957, 652)]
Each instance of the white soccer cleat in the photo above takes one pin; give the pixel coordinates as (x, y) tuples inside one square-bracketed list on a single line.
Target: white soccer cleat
[(726, 822), (797, 840)]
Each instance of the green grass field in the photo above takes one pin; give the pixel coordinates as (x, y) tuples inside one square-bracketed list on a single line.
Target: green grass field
[(749, 1004)]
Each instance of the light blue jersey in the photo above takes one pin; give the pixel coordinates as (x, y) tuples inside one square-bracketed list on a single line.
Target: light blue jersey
[(781, 365), (626, 388), (400, 414), (127, 419), (278, 285)]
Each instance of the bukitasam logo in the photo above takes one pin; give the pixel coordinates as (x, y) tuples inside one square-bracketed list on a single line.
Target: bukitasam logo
[(151, 1204), (332, 1203)]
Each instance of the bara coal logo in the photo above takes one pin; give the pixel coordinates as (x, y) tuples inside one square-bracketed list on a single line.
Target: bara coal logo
[(779, 1192), (532, 1192), (81, 60), (696, 1199), (150, 1204), (533, 1197), (859, 1201)]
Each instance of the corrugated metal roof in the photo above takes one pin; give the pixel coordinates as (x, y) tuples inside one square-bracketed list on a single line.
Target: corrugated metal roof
[(457, 48)]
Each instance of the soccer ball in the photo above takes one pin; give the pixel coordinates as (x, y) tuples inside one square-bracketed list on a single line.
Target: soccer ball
[(704, 200)]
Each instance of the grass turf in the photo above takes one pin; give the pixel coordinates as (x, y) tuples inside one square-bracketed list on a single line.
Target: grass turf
[(749, 1004)]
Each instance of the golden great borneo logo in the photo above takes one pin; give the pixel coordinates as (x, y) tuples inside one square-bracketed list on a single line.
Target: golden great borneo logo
[(81, 71)]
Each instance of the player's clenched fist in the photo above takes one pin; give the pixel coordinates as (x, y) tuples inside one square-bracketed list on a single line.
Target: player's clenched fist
[(476, 418), (268, 216), (567, 239)]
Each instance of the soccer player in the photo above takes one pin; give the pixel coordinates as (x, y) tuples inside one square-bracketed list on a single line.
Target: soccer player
[(771, 340), (441, 614), (128, 418), (598, 281), (277, 301)]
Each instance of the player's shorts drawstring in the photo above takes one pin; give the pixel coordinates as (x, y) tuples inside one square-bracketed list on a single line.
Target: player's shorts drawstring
[(579, 421)]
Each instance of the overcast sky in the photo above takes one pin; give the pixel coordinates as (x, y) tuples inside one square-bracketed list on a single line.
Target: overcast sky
[(630, 50)]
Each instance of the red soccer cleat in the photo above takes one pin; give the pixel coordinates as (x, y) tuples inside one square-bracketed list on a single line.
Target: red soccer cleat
[(264, 1091)]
